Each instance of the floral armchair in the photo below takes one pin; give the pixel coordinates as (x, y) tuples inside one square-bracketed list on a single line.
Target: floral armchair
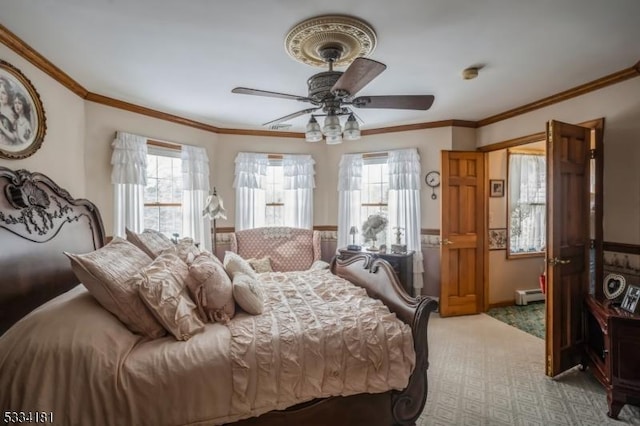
[(290, 249)]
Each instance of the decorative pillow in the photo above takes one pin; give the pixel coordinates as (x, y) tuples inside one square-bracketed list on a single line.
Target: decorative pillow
[(106, 273), (211, 289), (161, 286), (261, 265), (233, 263), (319, 265), (150, 241), (187, 249), (248, 293)]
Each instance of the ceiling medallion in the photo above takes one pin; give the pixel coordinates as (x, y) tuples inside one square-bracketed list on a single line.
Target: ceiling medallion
[(353, 37)]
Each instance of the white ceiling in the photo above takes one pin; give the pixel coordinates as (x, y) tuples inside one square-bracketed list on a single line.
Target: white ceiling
[(184, 57)]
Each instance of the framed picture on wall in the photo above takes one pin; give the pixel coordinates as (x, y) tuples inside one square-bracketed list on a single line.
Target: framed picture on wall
[(496, 187), (22, 120)]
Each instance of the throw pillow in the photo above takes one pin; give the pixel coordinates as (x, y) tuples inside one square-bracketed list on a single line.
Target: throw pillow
[(261, 265), (106, 272), (211, 289), (319, 265), (248, 294), (234, 263), (150, 241), (187, 249), (161, 286)]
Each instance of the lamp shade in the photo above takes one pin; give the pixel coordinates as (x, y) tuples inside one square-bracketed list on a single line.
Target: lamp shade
[(332, 127), (351, 129), (313, 133), (353, 230), (214, 207), (334, 139)]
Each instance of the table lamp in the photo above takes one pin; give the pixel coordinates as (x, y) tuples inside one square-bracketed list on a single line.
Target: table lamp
[(353, 231)]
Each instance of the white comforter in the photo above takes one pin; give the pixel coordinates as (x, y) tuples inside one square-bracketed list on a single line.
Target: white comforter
[(318, 336)]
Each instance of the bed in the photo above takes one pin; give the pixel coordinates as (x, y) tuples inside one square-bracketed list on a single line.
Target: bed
[(55, 355)]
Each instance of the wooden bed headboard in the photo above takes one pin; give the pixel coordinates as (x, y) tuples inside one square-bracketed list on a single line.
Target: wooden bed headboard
[(38, 221)]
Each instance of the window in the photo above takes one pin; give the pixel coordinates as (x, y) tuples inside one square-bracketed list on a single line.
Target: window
[(163, 193), (274, 193), (526, 204), (374, 196)]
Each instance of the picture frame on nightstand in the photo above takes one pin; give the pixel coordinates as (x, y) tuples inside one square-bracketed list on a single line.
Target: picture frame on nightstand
[(631, 301)]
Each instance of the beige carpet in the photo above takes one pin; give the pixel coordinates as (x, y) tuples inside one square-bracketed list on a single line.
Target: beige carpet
[(485, 372)]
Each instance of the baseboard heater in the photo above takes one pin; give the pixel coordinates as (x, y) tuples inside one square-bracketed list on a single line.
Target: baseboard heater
[(525, 296)]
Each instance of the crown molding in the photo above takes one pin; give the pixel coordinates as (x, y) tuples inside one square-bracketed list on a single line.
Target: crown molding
[(23, 49), (127, 106), (582, 89), (419, 126), (597, 123)]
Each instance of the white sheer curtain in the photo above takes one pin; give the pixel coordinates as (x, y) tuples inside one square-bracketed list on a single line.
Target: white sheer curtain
[(349, 187), (251, 171), (195, 190), (527, 203), (129, 178), (299, 182), (404, 204)]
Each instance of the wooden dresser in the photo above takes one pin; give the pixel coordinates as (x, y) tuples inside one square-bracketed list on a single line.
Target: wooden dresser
[(402, 264), (612, 351)]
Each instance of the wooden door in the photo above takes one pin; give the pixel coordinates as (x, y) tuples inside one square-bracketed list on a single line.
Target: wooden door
[(568, 155), (463, 233)]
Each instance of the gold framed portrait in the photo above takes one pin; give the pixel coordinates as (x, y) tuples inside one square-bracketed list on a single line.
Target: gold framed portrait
[(22, 121)]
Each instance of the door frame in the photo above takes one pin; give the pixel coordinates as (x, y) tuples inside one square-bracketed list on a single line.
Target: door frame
[(596, 125)]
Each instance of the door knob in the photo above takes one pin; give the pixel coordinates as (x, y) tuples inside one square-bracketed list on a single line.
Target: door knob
[(445, 242), (556, 261)]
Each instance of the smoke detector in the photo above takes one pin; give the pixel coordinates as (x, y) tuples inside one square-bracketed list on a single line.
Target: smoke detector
[(470, 73)]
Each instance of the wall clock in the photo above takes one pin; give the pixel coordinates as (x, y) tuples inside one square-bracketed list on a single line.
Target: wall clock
[(613, 286), (432, 179)]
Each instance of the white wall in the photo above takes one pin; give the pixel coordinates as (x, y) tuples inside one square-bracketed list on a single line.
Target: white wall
[(102, 122), (61, 156), (620, 105)]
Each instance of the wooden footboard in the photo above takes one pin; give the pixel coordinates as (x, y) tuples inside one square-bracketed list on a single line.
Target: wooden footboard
[(377, 277)]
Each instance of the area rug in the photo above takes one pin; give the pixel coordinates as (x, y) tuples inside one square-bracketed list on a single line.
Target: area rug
[(528, 318)]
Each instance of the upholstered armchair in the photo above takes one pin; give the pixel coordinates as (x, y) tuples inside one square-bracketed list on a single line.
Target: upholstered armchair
[(290, 249)]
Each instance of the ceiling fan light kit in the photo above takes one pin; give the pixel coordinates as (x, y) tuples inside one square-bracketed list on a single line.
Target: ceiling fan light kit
[(336, 40), (313, 133)]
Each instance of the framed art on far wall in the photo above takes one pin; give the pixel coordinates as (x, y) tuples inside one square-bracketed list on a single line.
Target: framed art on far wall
[(496, 187), (22, 120)]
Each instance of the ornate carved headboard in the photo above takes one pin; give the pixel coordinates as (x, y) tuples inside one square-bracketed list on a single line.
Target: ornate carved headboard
[(38, 221)]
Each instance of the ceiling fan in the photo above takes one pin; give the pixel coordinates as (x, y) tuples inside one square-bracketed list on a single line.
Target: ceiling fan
[(333, 92)]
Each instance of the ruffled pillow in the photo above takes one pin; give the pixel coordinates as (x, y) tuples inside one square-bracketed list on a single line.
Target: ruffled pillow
[(248, 294), (150, 241), (261, 265), (319, 265), (211, 289), (187, 249), (234, 263), (162, 288), (106, 273)]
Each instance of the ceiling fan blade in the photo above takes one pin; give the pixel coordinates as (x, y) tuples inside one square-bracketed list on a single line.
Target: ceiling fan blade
[(421, 102), (290, 116), (256, 92), (359, 74)]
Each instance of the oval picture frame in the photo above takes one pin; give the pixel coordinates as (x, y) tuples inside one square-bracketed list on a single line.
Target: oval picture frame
[(22, 120), (613, 286)]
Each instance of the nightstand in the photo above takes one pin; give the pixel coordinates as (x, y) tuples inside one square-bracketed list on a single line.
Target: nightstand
[(612, 351), (402, 264)]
